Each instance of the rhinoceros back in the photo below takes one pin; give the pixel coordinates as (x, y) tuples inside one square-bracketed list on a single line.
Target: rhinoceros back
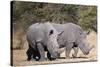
[(35, 34), (71, 32)]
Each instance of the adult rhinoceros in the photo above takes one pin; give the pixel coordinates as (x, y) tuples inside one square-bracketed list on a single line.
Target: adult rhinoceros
[(72, 37), (42, 37)]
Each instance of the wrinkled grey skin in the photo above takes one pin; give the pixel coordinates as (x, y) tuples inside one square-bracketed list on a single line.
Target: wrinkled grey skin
[(72, 37), (42, 37)]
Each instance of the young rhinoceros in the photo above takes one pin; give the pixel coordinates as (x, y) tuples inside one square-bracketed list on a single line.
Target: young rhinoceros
[(42, 37)]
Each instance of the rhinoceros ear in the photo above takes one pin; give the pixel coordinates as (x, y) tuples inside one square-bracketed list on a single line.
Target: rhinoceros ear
[(60, 33), (87, 32), (51, 32)]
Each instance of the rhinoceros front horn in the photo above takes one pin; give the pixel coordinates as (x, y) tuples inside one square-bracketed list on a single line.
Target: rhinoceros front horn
[(61, 50)]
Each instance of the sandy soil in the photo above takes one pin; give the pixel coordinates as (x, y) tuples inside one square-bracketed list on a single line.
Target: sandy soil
[(19, 56)]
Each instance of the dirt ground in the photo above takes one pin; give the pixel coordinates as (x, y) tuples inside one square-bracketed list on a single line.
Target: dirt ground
[(19, 56)]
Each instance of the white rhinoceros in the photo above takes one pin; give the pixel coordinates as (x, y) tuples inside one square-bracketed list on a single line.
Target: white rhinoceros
[(42, 37), (72, 37)]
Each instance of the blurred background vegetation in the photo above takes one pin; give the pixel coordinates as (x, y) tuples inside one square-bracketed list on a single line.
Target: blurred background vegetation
[(26, 13)]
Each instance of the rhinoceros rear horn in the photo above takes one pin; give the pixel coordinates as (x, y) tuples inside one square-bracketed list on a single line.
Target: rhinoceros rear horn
[(61, 50)]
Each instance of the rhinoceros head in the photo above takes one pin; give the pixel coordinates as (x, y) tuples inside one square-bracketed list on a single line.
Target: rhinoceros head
[(86, 49), (83, 44), (53, 45)]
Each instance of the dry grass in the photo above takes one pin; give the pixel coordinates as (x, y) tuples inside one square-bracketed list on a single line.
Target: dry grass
[(19, 56)]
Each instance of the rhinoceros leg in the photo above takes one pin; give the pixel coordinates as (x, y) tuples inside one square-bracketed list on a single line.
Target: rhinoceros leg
[(36, 55), (75, 48), (49, 56), (41, 51), (29, 53), (68, 49), (75, 52), (32, 53)]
